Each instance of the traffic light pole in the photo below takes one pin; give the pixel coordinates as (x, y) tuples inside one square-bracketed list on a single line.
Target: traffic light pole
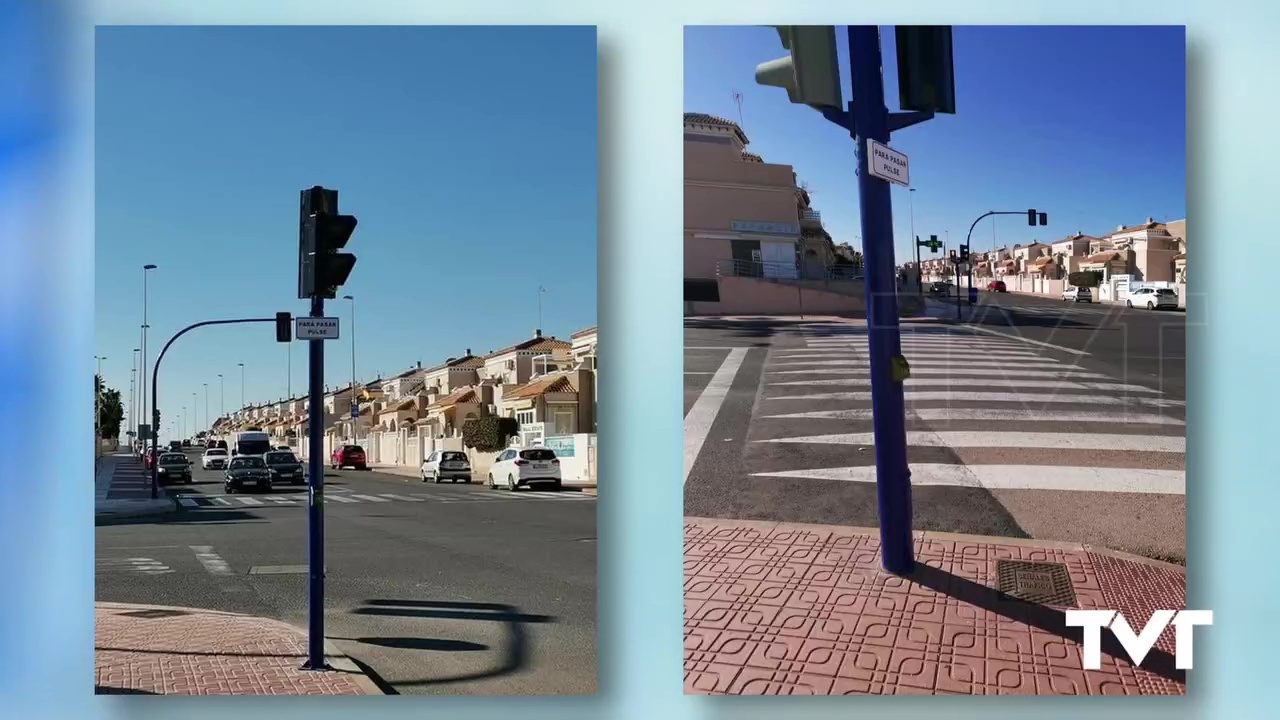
[(867, 118), (315, 499)]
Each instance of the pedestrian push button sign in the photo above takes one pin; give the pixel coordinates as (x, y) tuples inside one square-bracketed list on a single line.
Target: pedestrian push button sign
[(316, 328), (887, 164)]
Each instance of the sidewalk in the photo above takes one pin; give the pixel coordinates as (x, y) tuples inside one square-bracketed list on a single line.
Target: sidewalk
[(776, 609), (413, 472), (122, 489), (156, 650)]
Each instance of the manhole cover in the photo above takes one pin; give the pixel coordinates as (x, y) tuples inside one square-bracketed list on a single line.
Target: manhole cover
[(1037, 582), (154, 614)]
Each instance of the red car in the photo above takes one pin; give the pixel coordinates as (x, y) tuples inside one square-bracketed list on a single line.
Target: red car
[(348, 456), (997, 286)]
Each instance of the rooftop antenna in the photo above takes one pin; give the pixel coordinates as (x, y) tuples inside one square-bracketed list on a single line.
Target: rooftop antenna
[(737, 99)]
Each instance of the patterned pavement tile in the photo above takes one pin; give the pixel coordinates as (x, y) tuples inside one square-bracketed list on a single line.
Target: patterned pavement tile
[(774, 609)]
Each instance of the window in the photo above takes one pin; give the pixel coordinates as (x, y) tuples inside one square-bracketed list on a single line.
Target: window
[(539, 455), (431, 457), (525, 417), (562, 421)]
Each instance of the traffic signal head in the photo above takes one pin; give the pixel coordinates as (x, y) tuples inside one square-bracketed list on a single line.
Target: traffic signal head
[(284, 327), (331, 268), (926, 76), (811, 72), (964, 253), (1044, 218)]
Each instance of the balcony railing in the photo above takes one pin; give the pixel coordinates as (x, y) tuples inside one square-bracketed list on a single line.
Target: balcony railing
[(812, 216), (784, 271)]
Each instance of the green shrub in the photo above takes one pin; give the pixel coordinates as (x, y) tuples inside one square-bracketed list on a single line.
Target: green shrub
[(1085, 278), (489, 433)]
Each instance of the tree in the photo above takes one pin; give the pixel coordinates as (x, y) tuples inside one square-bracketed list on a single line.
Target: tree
[(489, 433), (110, 410)]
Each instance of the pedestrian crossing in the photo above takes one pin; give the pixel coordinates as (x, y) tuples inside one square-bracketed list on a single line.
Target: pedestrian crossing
[(982, 412), (192, 501)]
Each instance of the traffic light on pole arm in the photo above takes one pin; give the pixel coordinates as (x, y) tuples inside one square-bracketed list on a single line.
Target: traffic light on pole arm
[(811, 72), (1033, 216), (964, 253), (284, 327)]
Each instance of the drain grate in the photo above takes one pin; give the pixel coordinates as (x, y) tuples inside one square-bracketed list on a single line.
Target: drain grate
[(1037, 582)]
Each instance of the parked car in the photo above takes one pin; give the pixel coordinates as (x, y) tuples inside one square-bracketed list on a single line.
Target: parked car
[(174, 467), (451, 465), (997, 286), (246, 471), (285, 467), (149, 458), (518, 467), (175, 445), (1077, 294), (214, 459), (220, 444), (348, 456), (940, 288), (1152, 298), (284, 447)]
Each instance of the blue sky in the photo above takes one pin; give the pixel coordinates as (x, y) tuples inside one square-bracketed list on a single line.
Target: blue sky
[(467, 154), (1087, 124)]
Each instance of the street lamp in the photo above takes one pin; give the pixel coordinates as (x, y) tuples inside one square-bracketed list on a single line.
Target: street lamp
[(206, 406), (911, 200), (146, 270), (222, 395), (355, 418), (241, 385), (133, 398)]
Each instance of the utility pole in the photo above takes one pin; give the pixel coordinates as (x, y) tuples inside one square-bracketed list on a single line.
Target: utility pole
[(322, 269), (811, 76)]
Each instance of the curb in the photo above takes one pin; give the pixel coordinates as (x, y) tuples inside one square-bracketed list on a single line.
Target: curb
[(958, 537), (171, 507), (338, 660)]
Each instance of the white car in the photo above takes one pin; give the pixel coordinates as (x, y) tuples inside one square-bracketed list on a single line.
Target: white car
[(214, 459), (451, 465), (516, 467), (1077, 294), (1152, 298)]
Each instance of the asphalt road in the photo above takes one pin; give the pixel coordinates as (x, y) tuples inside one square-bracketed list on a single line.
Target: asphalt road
[(1005, 438), (436, 589), (1147, 346)]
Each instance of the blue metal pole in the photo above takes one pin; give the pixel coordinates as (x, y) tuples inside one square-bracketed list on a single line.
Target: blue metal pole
[(315, 505), (893, 477)]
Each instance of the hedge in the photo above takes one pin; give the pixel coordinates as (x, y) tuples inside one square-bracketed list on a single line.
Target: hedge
[(489, 433), (1085, 278)]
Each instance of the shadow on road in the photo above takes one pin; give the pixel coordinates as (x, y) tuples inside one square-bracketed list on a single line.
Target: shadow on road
[(103, 690), (1041, 617), (181, 517), (516, 651)]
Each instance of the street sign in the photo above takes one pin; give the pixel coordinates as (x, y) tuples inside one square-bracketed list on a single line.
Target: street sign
[(887, 164), (355, 411), (316, 328)]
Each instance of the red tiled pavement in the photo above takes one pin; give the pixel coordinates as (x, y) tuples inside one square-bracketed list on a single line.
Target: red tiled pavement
[(779, 609), (185, 651)]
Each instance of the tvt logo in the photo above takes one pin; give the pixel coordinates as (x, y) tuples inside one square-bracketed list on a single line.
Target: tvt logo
[(1137, 644)]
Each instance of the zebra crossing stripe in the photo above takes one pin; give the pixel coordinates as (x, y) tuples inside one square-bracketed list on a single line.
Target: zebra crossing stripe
[(287, 500), (188, 502), (1011, 414), (211, 561), (250, 501), (402, 497), (220, 501), (960, 372), (989, 397), (1075, 440), (1049, 385), (1014, 477), (370, 498), (340, 498)]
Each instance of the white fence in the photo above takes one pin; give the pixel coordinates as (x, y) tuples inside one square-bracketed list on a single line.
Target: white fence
[(407, 449)]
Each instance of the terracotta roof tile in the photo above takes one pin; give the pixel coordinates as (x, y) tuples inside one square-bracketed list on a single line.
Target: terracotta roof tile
[(584, 332), (454, 398), (751, 157), (535, 344), (1103, 257), (556, 382), (464, 362), (705, 119)]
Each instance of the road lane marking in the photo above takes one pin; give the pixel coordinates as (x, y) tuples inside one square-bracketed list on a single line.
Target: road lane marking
[(370, 498), (697, 424), (1014, 477), (1077, 439), (339, 498), (283, 499), (1038, 363), (1049, 385), (187, 502), (1029, 341), (142, 566), (1025, 398), (402, 497), (211, 561), (1012, 414)]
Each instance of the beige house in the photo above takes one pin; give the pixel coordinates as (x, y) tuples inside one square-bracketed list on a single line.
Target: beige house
[(1178, 231), (1069, 252), (561, 402), (739, 211)]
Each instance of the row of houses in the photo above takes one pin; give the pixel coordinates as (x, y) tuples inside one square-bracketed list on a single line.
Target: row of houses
[(1149, 253), (547, 384)]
